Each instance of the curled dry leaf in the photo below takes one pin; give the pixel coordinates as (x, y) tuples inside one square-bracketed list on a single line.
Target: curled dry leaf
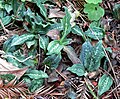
[(54, 34), (8, 68)]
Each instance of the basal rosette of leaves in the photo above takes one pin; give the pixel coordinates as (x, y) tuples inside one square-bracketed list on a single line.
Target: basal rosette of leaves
[(90, 57)]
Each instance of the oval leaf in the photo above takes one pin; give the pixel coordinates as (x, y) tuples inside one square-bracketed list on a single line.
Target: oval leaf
[(35, 74), (43, 42), (77, 30), (104, 84), (95, 33), (77, 69), (94, 11), (42, 8), (93, 62), (66, 22), (54, 47), (85, 52), (22, 39), (52, 60)]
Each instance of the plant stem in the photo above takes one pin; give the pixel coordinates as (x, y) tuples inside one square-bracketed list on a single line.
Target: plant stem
[(63, 37), (91, 90)]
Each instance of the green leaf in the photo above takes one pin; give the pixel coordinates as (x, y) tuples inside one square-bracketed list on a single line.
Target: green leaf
[(53, 60), (42, 1), (35, 84), (1, 5), (94, 11), (91, 56), (78, 69), (35, 74), (7, 77), (104, 84), (30, 43), (7, 45), (109, 49), (22, 39), (66, 22), (42, 8), (15, 5), (54, 47), (6, 20), (95, 33), (85, 52), (8, 8), (94, 59), (116, 11), (77, 30), (57, 26), (43, 42), (94, 1)]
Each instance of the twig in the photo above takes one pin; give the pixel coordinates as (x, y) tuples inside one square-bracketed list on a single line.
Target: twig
[(5, 30), (112, 91), (21, 61), (72, 83), (91, 91)]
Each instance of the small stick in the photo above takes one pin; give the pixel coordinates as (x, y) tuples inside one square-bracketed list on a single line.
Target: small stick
[(5, 30)]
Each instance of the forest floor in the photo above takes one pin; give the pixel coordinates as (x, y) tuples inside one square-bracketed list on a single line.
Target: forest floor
[(50, 72)]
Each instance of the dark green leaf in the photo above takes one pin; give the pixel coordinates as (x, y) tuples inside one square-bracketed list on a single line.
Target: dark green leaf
[(116, 11), (7, 77), (30, 43), (77, 30), (8, 8), (78, 69), (85, 52), (95, 33), (22, 39), (104, 84), (15, 6), (66, 22), (35, 74), (53, 60), (6, 20), (35, 84), (93, 62), (43, 42), (42, 8), (7, 44), (54, 47)]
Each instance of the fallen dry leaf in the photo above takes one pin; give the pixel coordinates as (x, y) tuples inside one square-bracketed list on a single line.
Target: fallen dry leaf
[(54, 34), (71, 54), (56, 13), (8, 68)]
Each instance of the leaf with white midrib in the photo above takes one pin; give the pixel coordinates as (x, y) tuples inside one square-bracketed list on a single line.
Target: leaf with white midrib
[(22, 39), (104, 84)]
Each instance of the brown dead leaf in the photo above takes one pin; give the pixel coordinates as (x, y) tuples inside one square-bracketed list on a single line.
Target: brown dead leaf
[(54, 34), (56, 13), (71, 54), (8, 68)]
